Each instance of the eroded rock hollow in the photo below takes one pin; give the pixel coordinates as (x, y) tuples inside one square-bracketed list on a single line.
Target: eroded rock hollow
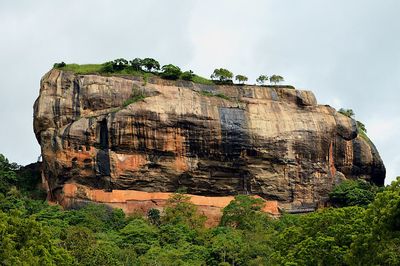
[(116, 134)]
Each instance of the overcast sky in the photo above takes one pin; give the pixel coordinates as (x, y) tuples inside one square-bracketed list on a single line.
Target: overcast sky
[(346, 51)]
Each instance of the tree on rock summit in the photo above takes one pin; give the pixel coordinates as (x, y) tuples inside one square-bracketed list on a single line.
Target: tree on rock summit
[(222, 75), (276, 79), (241, 78)]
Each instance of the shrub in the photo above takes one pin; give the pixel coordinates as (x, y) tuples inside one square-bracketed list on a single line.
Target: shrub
[(170, 72), (59, 65), (188, 75), (347, 112)]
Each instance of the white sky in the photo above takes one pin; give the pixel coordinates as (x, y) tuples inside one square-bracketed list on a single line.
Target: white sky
[(346, 51)]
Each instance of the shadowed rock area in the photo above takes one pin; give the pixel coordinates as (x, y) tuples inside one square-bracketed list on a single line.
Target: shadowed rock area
[(270, 141)]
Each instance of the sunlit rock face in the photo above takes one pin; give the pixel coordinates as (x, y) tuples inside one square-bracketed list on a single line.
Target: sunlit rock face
[(270, 141)]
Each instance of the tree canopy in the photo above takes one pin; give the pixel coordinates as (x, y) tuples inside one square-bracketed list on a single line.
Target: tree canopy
[(170, 72), (150, 64), (35, 233), (222, 75), (262, 79), (241, 78), (276, 79)]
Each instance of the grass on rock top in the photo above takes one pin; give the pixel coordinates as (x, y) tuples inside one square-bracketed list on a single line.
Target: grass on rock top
[(98, 69)]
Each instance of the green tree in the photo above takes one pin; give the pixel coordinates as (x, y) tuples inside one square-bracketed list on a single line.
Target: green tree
[(242, 79), (350, 113), (97, 217), (353, 193), (222, 74), (114, 66), (276, 79), (170, 72), (136, 64), (179, 210), (151, 64), (8, 176), (226, 246), (244, 212), (78, 241), (24, 241), (347, 112), (153, 215), (379, 243), (139, 235), (262, 79), (361, 126), (120, 64), (320, 238), (188, 75)]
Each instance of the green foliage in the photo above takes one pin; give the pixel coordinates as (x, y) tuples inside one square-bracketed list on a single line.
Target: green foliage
[(353, 193), (201, 80), (139, 235), (136, 64), (320, 238), (207, 93), (262, 79), (96, 217), (171, 72), (379, 243), (134, 67), (24, 240), (223, 96), (8, 176), (188, 75), (179, 210), (361, 127), (362, 131), (59, 65), (34, 233), (83, 69), (222, 74), (153, 215), (226, 246), (242, 79), (150, 64), (114, 66), (211, 94), (347, 112), (244, 212), (136, 96), (276, 79)]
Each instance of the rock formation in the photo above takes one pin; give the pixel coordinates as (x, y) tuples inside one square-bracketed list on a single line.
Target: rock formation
[(112, 134)]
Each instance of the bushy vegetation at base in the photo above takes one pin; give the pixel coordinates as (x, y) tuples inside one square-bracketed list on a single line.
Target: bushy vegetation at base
[(35, 233), (353, 193)]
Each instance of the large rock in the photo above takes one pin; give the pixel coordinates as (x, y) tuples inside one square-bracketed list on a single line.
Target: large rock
[(274, 141)]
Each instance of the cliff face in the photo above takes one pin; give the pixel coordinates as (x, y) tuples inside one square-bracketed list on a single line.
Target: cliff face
[(274, 142)]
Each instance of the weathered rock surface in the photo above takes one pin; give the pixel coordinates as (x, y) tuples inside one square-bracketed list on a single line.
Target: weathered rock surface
[(274, 142)]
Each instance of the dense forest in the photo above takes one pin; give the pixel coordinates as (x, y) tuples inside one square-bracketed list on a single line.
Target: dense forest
[(361, 228)]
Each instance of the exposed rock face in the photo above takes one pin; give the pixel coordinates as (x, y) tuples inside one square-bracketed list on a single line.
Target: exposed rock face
[(274, 142)]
